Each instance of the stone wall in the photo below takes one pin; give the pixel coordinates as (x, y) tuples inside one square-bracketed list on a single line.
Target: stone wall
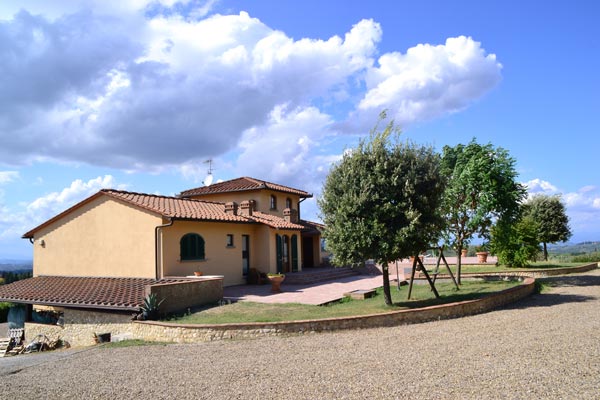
[(80, 326), (178, 296), (160, 331)]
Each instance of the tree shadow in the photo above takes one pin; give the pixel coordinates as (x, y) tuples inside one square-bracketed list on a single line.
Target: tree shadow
[(571, 280), (546, 299)]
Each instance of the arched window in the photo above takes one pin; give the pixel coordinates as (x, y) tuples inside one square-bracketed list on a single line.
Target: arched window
[(191, 247), (273, 202), (288, 203)]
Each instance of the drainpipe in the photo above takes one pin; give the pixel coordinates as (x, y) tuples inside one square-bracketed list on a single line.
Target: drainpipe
[(31, 240), (300, 201), (156, 230)]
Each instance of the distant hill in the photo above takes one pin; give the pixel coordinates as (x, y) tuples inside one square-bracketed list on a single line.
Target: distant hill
[(574, 248), (16, 265)]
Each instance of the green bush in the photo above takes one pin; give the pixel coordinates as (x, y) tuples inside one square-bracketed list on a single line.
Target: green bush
[(589, 257), (4, 307)]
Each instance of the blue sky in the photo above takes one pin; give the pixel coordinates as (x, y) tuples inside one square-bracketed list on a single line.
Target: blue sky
[(137, 95)]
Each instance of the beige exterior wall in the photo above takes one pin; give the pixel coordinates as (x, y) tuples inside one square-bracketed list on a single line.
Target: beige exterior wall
[(261, 197), (101, 238), (220, 259)]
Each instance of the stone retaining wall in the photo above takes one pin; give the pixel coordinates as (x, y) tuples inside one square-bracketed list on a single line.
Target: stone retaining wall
[(160, 331), (80, 325), (535, 273)]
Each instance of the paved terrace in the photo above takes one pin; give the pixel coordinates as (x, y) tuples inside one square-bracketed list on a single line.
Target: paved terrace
[(326, 292)]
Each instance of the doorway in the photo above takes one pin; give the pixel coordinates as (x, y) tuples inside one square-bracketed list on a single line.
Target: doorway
[(245, 254)]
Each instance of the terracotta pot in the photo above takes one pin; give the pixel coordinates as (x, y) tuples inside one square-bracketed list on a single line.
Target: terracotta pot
[(465, 252), (276, 283), (482, 256), (198, 273)]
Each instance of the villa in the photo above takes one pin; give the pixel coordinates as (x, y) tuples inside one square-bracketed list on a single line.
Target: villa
[(96, 261)]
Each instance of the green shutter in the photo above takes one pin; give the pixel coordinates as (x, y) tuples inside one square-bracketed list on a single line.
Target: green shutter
[(279, 252), (294, 253)]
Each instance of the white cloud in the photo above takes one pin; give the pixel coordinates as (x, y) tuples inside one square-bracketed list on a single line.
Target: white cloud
[(8, 176), (148, 85), (16, 221), (287, 146), (429, 81), (539, 186)]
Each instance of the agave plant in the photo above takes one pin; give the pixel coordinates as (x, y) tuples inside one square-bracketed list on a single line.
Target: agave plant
[(150, 306)]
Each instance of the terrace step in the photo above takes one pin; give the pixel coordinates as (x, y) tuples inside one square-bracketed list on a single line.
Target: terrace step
[(316, 275)]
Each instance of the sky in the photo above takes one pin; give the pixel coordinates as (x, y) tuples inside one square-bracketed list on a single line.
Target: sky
[(138, 95)]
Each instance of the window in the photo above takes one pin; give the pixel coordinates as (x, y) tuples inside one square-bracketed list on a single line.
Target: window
[(288, 203), (273, 202), (229, 240), (191, 247)]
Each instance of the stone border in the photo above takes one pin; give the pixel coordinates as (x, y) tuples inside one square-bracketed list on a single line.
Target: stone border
[(190, 333), (534, 273)]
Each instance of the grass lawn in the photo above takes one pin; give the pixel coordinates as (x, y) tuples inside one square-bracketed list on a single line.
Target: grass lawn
[(502, 268), (421, 297)]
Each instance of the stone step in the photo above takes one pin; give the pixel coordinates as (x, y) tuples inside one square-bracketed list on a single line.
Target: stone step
[(321, 275)]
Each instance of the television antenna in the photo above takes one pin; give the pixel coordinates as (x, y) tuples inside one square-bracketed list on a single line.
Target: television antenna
[(209, 177)]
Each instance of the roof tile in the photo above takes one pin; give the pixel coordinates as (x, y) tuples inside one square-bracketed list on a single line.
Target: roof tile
[(125, 294), (240, 185)]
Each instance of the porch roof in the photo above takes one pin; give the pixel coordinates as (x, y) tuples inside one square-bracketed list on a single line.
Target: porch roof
[(124, 294)]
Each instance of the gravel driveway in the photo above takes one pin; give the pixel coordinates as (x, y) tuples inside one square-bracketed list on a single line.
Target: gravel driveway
[(545, 347)]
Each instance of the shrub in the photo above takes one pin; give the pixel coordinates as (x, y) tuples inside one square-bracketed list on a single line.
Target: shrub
[(4, 307)]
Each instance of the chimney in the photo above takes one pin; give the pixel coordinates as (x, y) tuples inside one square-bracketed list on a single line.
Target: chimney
[(290, 215), (231, 208), (247, 207)]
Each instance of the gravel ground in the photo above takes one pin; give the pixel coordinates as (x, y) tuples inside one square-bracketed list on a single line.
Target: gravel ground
[(545, 347)]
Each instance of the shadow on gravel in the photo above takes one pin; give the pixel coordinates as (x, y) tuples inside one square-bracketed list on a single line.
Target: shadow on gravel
[(549, 300), (552, 299), (571, 280)]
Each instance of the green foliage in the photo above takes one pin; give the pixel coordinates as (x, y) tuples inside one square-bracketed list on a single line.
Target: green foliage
[(550, 215), (150, 307), (13, 276), (380, 201), (515, 244), (584, 258), (4, 307), (481, 188)]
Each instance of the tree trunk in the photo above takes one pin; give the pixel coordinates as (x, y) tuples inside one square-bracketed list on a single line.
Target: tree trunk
[(387, 295), (458, 264), (545, 252)]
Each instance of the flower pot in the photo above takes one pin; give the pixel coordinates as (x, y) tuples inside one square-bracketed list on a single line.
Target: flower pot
[(198, 273), (464, 252), (482, 256), (276, 283)]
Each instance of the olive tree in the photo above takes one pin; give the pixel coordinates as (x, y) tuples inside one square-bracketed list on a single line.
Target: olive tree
[(380, 202), (480, 189), (551, 218)]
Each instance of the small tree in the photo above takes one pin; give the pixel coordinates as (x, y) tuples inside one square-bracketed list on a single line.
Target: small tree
[(480, 188), (515, 243), (551, 217), (380, 202)]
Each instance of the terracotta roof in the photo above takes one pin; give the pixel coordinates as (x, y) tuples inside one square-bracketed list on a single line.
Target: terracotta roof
[(312, 226), (241, 185), (178, 208), (125, 294)]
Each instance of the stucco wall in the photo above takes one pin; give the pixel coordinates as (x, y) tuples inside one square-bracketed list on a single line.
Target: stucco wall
[(219, 259), (262, 199), (101, 238)]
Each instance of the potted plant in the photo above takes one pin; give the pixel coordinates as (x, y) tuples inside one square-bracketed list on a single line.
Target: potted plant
[(275, 280), (198, 273), (150, 307), (482, 253)]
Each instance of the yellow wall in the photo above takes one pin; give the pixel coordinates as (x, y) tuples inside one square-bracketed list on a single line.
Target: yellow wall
[(101, 238), (261, 197), (220, 259)]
